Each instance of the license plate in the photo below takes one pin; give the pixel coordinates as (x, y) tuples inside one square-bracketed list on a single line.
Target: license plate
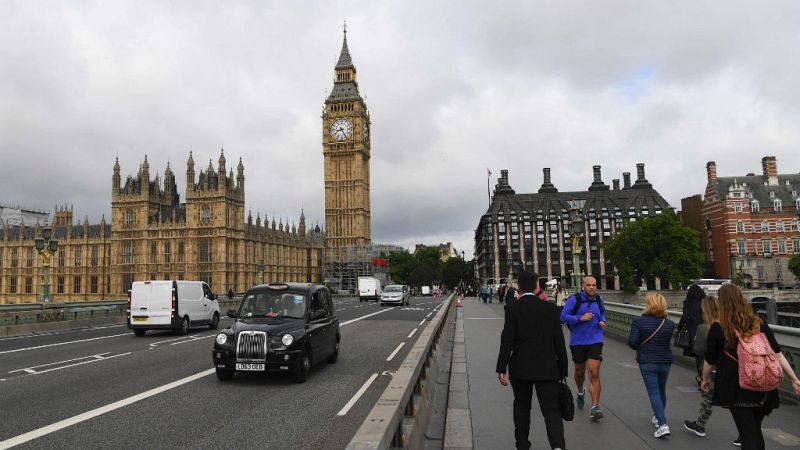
[(140, 319), (249, 366)]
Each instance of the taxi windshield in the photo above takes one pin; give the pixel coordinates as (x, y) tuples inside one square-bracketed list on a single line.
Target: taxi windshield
[(273, 304)]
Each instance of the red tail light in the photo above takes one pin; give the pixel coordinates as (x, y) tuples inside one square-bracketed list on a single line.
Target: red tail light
[(174, 301), (129, 302)]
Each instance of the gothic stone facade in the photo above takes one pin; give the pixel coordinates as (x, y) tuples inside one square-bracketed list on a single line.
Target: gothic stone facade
[(533, 230), (346, 149), (752, 225), (153, 235)]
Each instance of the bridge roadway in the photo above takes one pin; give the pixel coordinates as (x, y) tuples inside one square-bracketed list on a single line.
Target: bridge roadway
[(480, 409), (53, 380)]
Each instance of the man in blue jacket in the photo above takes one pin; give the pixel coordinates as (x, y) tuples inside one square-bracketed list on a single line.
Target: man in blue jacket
[(585, 316)]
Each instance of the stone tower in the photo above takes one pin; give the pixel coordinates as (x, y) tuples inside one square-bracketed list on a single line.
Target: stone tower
[(346, 148)]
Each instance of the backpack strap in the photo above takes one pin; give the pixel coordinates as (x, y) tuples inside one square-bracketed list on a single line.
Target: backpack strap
[(578, 301)]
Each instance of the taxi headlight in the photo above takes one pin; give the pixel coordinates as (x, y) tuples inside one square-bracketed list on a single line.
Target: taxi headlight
[(222, 338), (287, 339)]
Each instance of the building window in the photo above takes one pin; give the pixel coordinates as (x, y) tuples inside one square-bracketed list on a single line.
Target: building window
[(739, 226), (205, 214), (153, 253), (60, 285), (167, 252), (127, 282), (62, 257), (78, 257), (93, 284), (754, 206), (95, 255), (777, 205), (128, 255), (742, 247), (781, 246), (181, 251), (779, 225), (764, 226), (796, 245), (29, 258), (205, 251), (14, 258), (76, 285), (737, 207), (129, 217), (794, 225), (766, 246), (12, 288), (29, 285)]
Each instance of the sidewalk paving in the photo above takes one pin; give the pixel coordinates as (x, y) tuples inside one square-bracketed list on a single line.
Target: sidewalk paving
[(480, 409)]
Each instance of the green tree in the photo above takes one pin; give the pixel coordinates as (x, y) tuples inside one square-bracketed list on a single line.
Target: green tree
[(422, 275), (794, 266), (430, 257), (659, 246), (454, 271), (400, 266)]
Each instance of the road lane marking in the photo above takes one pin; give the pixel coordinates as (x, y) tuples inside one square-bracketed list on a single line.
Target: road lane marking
[(395, 351), (83, 360), (352, 401), (363, 317), (39, 432), (195, 338), (421, 322), (412, 333), (62, 343), (429, 314), (56, 333)]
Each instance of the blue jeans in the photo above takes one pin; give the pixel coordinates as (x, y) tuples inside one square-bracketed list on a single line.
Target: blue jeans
[(655, 380)]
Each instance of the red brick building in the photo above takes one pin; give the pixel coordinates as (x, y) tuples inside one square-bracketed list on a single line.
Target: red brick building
[(751, 224)]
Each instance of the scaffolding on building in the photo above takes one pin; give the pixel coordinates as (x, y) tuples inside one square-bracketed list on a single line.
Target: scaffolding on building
[(343, 265)]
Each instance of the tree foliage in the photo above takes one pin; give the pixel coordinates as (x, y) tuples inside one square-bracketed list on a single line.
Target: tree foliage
[(454, 271), (659, 246), (794, 266)]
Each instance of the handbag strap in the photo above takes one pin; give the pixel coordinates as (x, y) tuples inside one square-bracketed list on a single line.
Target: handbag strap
[(654, 333)]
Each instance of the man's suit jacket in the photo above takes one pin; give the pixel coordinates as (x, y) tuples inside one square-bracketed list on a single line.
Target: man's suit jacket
[(532, 343)]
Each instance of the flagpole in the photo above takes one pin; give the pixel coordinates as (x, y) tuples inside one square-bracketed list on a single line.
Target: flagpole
[(488, 192)]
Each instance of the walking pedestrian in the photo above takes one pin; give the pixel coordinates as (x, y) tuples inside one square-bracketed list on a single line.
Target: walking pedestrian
[(501, 293), (691, 318), (739, 326), (584, 314), (710, 315), (511, 293), (651, 337), (484, 292), (532, 348)]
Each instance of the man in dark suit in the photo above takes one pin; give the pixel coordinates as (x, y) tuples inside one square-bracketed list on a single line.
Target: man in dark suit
[(532, 347)]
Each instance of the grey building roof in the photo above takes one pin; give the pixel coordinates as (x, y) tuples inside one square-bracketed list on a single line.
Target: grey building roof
[(345, 91), (344, 56), (754, 185), (94, 231)]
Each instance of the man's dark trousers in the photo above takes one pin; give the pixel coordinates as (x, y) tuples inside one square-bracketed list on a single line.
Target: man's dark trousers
[(547, 394)]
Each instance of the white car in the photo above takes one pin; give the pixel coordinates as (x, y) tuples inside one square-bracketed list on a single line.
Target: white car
[(395, 294), (172, 305)]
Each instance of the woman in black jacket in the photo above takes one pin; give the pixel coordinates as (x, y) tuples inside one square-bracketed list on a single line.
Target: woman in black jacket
[(692, 317), (748, 408)]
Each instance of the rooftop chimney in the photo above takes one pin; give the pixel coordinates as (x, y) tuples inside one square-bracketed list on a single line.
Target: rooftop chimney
[(626, 177), (502, 187), (711, 171), (547, 186), (615, 181), (597, 184), (770, 168), (641, 181)]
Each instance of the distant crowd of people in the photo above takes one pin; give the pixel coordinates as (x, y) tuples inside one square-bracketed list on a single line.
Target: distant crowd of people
[(739, 363)]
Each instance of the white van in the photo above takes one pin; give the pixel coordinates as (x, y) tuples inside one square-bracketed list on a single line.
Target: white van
[(425, 290), (369, 288), (171, 304)]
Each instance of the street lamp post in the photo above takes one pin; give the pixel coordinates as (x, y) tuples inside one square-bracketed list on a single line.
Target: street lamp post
[(46, 248), (260, 266), (577, 229)]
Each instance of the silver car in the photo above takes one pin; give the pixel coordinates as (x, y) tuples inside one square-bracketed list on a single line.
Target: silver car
[(395, 294)]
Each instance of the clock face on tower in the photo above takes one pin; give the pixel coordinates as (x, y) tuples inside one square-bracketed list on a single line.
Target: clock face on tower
[(341, 129)]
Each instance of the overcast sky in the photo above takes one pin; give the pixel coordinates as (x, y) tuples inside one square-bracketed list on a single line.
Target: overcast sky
[(454, 88)]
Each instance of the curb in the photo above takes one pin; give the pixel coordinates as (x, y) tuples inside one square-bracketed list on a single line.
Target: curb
[(458, 425)]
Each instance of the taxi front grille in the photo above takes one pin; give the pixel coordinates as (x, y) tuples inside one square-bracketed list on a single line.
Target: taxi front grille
[(251, 346)]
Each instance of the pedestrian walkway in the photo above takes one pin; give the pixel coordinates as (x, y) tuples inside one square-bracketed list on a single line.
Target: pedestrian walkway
[(480, 409)]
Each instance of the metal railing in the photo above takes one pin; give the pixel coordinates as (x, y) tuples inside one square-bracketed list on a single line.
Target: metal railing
[(399, 418)]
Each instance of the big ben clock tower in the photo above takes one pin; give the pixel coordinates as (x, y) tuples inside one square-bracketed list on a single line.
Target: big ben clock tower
[(346, 148)]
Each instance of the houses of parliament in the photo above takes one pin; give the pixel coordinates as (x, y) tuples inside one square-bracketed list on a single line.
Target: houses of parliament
[(154, 234)]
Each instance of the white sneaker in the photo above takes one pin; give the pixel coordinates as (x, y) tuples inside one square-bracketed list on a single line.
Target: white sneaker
[(655, 421), (662, 431)]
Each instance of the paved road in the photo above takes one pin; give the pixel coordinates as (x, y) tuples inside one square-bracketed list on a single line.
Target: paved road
[(58, 378)]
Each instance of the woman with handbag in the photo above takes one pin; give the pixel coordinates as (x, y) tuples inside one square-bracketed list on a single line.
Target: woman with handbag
[(651, 337)]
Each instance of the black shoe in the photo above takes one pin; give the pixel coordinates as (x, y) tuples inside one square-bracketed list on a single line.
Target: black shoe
[(694, 427), (738, 441)]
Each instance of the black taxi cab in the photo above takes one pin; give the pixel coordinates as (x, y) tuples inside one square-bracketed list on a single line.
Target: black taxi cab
[(279, 327)]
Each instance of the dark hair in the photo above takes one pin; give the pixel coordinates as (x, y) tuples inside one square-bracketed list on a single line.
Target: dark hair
[(695, 293), (528, 281)]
